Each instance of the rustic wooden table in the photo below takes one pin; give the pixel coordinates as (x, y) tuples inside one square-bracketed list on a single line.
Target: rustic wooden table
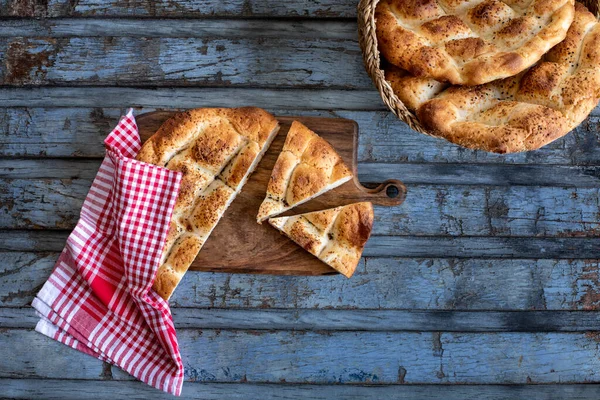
[(483, 283)]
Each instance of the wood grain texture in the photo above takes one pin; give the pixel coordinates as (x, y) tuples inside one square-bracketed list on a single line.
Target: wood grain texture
[(413, 173), (358, 320), (432, 210), (323, 357), (209, 28), (206, 61), (386, 246), (378, 284), (484, 243), (108, 389), (78, 132), (191, 97), (185, 8)]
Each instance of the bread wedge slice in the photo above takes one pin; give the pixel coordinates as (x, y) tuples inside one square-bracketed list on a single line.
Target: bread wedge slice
[(336, 236), (307, 167)]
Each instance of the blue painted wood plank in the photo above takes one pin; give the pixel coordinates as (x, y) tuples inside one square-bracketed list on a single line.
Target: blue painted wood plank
[(184, 8), (31, 354), (417, 173), (79, 132), (379, 283), (355, 357), (185, 28), (303, 99), (109, 389), (335, 357), (216, 62), (385, 139), (357, 320), (386, 246), (52, 194)]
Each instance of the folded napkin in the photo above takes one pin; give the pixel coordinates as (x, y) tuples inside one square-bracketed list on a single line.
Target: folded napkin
[(99, 298)]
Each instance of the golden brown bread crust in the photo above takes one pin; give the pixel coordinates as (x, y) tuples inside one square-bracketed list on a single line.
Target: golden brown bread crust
[(306, 167), (215, 149), (469, 43), (521, 113), (210, 206), (411, 90), (336, 236)]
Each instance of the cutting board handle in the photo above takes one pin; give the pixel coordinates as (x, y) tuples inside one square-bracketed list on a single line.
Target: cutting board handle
[(391, 192)]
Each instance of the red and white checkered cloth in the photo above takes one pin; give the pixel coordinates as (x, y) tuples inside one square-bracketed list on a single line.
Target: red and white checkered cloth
[(99, 298)]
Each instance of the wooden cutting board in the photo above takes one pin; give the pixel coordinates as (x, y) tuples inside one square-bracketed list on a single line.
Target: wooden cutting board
[(239, 244)]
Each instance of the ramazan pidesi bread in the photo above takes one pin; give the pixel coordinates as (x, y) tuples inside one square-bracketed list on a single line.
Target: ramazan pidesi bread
[(336, 236), (469, 42), (216, 149), (306, 167), (521, 113)]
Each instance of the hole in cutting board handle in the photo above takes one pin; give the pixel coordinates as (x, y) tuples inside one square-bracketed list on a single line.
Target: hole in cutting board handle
[(392, 191), (389, 193)]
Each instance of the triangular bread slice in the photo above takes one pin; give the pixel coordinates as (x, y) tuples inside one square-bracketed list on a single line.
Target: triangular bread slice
[(307, 167), (336, 236)]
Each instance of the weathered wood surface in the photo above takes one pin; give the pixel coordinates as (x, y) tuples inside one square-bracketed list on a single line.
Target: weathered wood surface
[(185, 8), (182, 62), (378, 284), (48, 194), (417, 173), (184, 28), (108, 389), (386, 246), (78, 132), (323, 357), (357, 320), (191, 97), (53, 200), (487, 274)]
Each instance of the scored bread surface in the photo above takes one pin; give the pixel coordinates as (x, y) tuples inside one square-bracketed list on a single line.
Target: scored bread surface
[(215, 149), (306, 167), (521, 113), (469, 42), (336, 236)]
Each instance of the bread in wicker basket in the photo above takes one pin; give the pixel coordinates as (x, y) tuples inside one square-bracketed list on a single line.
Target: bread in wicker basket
[(501, 128)]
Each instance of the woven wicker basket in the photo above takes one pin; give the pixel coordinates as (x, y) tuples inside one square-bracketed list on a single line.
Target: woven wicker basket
[(368, 43)]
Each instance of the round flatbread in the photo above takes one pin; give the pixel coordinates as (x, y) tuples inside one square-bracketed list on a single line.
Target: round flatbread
[(521, 113), (469, 42)]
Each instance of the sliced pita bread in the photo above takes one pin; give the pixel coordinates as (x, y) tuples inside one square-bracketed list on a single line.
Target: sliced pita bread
[(336, 236), (307, 167), (216, 150)]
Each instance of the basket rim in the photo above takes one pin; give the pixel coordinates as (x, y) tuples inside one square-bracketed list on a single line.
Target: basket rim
[(367, 40)]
